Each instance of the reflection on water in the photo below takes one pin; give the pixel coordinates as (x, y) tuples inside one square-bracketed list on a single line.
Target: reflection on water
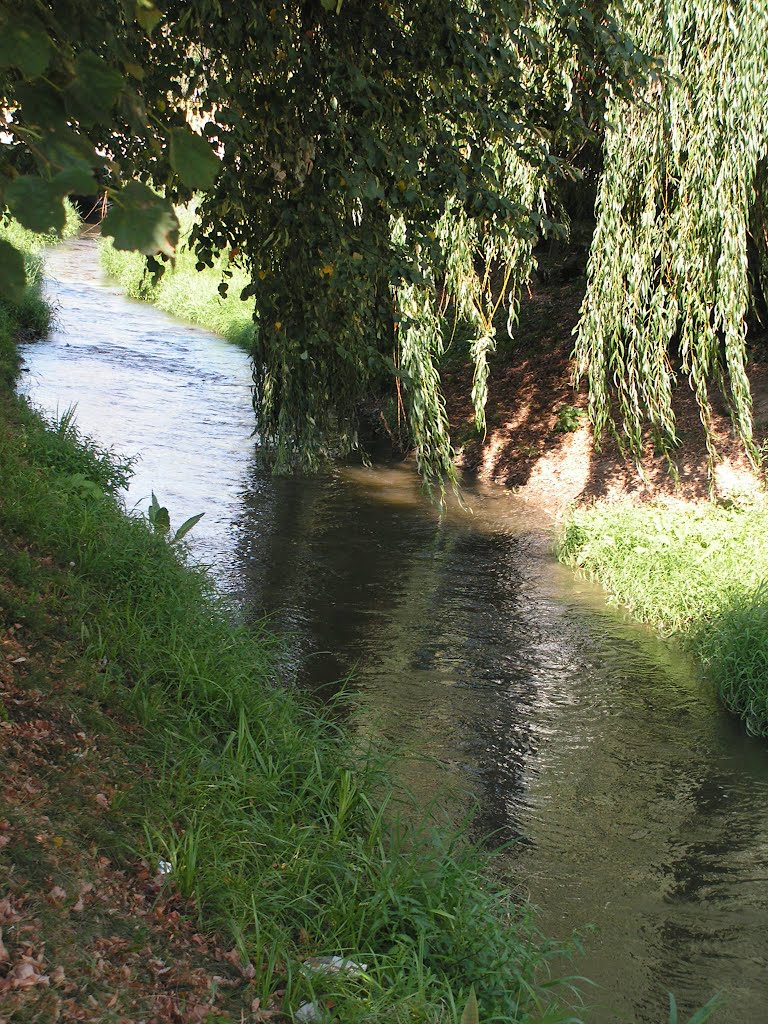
[(636, 804)]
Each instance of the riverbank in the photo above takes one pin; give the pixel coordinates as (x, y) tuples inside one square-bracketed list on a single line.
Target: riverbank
[(185, 292), (539, 444), (167, 801), (697, 572)]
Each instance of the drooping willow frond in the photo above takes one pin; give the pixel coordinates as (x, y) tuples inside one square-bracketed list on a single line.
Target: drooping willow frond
[(668, 265)]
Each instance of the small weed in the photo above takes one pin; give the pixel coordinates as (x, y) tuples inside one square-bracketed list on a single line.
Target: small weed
[(569, 419), (160, 520)]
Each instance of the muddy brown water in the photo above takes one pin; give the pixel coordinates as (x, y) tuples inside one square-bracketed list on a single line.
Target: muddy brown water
[(635, 804)]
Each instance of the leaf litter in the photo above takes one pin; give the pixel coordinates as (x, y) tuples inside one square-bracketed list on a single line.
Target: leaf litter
[(83, 938)]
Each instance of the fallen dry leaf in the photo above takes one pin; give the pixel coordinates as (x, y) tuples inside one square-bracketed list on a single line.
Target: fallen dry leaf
[(26, 974), (4, 955), (57, 894), (7, 914)]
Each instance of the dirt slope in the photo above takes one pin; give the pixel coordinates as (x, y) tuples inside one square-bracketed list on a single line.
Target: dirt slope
[(531, 400)]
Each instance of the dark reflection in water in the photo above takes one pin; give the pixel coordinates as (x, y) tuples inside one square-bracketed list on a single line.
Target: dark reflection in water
[(635, 803)]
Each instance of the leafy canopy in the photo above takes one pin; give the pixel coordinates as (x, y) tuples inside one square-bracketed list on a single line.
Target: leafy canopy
[(368, 164)]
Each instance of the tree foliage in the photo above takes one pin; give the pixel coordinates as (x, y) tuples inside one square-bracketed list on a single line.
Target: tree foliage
[(681, 201), (367, 163)]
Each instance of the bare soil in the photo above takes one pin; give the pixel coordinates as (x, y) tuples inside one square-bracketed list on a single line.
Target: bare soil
[(525, 450)]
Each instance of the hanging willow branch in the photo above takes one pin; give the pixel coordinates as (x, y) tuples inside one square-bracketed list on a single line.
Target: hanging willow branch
[(668, 264)]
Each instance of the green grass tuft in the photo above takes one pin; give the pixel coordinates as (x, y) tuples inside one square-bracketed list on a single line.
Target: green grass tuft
[(699, 572)]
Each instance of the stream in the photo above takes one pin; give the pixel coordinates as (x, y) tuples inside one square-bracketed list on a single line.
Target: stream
[(629, 801)]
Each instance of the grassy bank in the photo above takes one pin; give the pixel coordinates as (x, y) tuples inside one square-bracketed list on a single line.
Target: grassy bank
[(699, 572), (32, 317), (185, 292), (282, 834)]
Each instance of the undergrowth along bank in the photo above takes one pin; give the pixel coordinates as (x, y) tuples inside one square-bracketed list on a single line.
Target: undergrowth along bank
[(184, 291), (698, 572), (32, 317), (287, 836)]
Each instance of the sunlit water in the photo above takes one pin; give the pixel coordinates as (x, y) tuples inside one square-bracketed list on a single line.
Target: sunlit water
[(637, 805)]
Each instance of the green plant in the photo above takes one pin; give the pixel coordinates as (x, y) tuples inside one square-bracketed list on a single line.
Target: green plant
[(667, 202), (699, 573), (568, 419), (363, 166), (160, 521)]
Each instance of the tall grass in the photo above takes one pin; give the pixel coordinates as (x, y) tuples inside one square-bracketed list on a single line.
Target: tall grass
[(701, 573), (184, 291)]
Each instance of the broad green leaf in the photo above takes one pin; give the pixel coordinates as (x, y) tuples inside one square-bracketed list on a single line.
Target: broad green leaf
[(148, 16), (141, 220), (77, 177), (41, 104), (162, 520), (63, 147), (24, 44), (13, 278), (93, 91), (35, 203), (193, 159), (187, 525)]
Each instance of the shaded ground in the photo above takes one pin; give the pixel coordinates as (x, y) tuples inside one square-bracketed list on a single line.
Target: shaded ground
[(84, 937), (539, 443)]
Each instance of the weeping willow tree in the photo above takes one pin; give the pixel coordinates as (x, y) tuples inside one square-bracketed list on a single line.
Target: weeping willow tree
[(681, 209)]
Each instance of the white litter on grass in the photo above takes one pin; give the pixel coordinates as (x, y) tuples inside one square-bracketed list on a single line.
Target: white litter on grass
[(327, 964), (307, 1013), (310, 1013), (164, 867)]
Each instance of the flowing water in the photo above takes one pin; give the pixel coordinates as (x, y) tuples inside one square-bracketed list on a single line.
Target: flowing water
[(636, 805)]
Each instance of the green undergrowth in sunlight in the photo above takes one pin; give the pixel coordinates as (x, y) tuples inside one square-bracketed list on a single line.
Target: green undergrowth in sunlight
[(185, 292), (31, 318), (288, 838), (700, 572)]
